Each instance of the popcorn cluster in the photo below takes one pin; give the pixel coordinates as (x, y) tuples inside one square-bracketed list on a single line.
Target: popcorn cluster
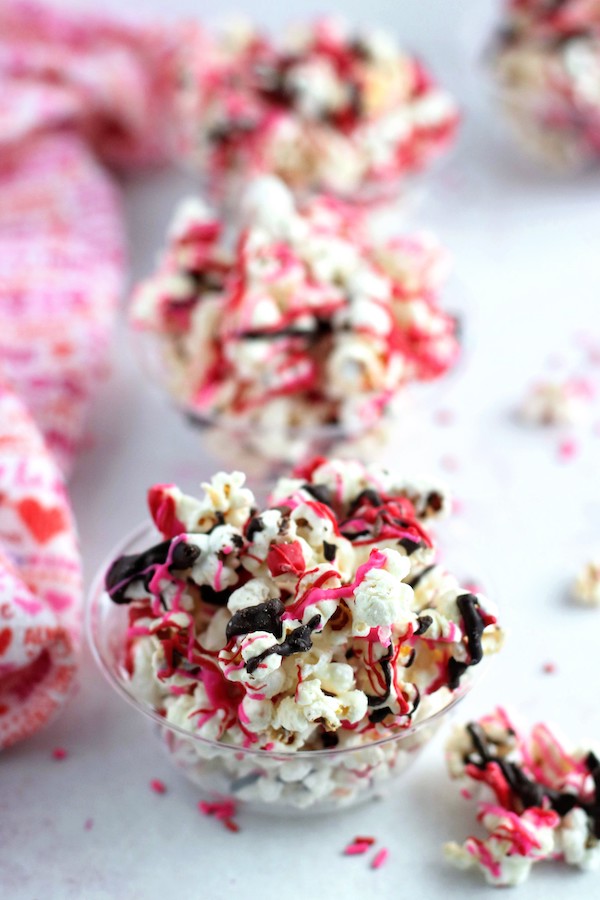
[(543, 802), (321, 621), (324, 108), (546, 61), (565, 401), (306, 323), (586, 588)]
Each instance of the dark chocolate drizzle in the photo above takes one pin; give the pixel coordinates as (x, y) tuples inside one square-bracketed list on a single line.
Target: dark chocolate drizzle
[(386, 667), (329, 551), (320, 492), (141, 566), (473, 624), (416, 579), (245, 781), (379, 714), (528, 791), (205, 281), (298, 641), (184, 556), (424, 623), (410, 659), (369, 495), (262, 617), (409, 545), (321, 328), (214, 598), (255, 525), (435, 501)]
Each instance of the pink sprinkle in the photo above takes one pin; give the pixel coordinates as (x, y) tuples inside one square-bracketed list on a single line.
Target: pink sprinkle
[(60, 753), (88, 824), (223, 810), (158, 786), (362, 839), (568, 449), (444, 417), (549, 668), (466, 793), (380, 858), (356, 848)]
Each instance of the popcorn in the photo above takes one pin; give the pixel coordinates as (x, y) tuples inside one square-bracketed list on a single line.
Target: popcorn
[(309, 323), (541, 801), (557, 403), (546, 63), (328, 110), (586, 589), (382, 600), (299, 626)]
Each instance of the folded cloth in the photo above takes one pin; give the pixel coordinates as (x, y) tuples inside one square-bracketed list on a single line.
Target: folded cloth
[(40, 577), (77, 95)]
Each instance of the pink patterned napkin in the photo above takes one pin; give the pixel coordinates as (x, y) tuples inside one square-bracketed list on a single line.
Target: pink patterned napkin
[(76, 95)]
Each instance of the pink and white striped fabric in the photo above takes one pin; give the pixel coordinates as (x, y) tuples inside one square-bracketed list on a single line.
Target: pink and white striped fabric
[(77, 96)]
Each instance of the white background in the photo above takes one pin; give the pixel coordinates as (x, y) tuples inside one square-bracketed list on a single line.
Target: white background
[(526, 251)]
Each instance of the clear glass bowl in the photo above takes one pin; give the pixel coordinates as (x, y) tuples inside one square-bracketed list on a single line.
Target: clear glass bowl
[(274, 782), (548, 129), (553, 131)]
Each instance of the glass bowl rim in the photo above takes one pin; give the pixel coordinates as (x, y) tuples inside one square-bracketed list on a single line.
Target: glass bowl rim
[(97, 594)]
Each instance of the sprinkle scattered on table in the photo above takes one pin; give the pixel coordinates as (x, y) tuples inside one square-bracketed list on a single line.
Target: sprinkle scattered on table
[(223, 810), (361, 844), (158, 786), (568, 449), (380, 858)]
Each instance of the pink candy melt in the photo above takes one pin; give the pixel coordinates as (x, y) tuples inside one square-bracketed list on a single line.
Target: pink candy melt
[(162, 510), (377, 560)]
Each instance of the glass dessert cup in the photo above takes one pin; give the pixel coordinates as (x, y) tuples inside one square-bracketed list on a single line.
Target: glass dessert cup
[(554, 134), (274, 782), (550, 131)]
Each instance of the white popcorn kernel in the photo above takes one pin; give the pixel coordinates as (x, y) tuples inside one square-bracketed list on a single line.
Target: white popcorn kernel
[(267, 203), (256, 591), (382, 599), (190, 211)]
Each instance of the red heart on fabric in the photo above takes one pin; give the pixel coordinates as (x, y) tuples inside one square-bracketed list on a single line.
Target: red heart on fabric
[(43, 522), (5, 639)]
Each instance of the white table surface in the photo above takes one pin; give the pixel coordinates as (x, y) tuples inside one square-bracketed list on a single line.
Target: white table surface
[(526, 250)]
